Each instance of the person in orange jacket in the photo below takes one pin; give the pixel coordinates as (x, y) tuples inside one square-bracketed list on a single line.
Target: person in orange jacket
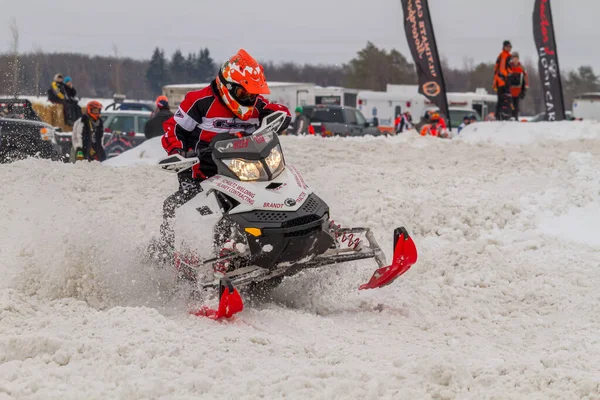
[(437, 127), (518, 82), (501, 72)]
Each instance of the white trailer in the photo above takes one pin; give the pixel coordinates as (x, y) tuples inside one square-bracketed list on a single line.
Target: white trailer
[(480, 101), (336, 95), (290, 94), (386, 106), (587, 106), (401, 98)]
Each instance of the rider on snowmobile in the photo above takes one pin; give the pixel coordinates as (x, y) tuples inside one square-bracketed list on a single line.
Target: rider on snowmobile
[(233, 104)]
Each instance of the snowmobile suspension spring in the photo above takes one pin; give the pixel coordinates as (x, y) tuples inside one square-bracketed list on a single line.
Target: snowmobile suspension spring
[(344, 237)]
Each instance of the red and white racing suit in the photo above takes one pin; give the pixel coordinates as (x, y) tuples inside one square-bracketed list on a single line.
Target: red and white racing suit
[(200, 117)]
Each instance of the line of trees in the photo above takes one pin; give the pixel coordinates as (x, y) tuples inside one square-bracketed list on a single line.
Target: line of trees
[(371, 69)]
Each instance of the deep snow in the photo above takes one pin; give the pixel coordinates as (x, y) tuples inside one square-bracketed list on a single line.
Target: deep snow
[(502, 303)]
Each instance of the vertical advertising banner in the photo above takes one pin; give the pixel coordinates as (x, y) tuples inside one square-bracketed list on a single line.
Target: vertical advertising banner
[(545, 44), (421, 40)]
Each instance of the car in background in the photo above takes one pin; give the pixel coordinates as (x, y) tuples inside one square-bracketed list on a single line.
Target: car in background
[(457, 115), (18, 109), (21, 138), (130, 106), (123, 130), (122, 104), (332, 120)]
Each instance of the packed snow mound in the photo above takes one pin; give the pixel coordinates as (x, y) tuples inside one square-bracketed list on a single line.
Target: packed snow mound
[(518, 133), (500, 304), (151, 151), (147, 153)]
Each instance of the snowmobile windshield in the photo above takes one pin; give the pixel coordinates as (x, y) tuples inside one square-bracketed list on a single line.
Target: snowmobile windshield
[(252, 158)]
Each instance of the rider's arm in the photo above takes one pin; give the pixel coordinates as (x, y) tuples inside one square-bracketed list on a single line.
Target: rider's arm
[(175, 138), (180, 128)]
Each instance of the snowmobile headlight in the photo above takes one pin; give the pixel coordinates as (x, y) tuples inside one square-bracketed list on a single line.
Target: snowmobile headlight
[(246, 170), (275, 161)]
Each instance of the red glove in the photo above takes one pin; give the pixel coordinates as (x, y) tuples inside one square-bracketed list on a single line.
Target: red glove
[(170, 141)]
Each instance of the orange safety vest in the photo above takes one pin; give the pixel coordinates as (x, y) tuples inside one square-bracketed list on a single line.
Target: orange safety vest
[(501, 70), (517, 80)]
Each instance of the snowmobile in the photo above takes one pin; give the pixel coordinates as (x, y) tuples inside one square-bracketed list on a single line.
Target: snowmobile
[(257, 221)]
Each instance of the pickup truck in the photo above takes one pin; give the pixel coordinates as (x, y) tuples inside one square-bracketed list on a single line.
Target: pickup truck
[(21, 138), (331, 120)]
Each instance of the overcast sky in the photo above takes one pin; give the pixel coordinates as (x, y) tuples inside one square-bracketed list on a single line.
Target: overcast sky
[(306, 31)]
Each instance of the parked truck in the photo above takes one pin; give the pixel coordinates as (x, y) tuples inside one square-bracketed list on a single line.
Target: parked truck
[(335, 120)]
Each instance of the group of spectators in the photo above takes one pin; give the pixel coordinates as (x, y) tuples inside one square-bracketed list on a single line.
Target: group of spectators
[(511, 83), (88, 127), (64, 93)]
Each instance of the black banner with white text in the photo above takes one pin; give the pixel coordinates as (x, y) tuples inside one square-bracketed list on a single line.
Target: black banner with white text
[(421, 40), (545, 43)]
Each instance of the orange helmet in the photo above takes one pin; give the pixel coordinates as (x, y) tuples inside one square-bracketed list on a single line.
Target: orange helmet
[(435, 116), (94, 109), (162, 102), (240, 81)]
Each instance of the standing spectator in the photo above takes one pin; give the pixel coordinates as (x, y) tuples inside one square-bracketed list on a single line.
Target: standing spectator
[(71, 110), (154, 127), (87, 135), (57, 91), (464, 124), (71, 93), (501, 71), (301, 123), (518, 81), (403, 122)]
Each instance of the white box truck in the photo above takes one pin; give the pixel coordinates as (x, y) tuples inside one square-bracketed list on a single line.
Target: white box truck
[(336, 96)]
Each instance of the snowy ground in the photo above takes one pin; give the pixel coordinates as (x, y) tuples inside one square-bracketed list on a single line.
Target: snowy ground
[(502, 304)]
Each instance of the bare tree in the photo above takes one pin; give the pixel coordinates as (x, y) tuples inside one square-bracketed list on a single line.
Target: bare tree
[(37, 73), (468, 63), (117, 69), (14, 30)]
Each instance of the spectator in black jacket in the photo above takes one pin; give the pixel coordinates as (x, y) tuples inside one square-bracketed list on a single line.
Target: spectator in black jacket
[(71, 110), (70, 91), (154, 127)]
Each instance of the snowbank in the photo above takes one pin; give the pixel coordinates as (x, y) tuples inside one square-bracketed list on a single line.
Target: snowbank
[(503, 302), (151, 151), (518, 133), (147, 153)]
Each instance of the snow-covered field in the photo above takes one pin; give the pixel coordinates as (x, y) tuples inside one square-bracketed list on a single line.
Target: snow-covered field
[(502, 304)]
